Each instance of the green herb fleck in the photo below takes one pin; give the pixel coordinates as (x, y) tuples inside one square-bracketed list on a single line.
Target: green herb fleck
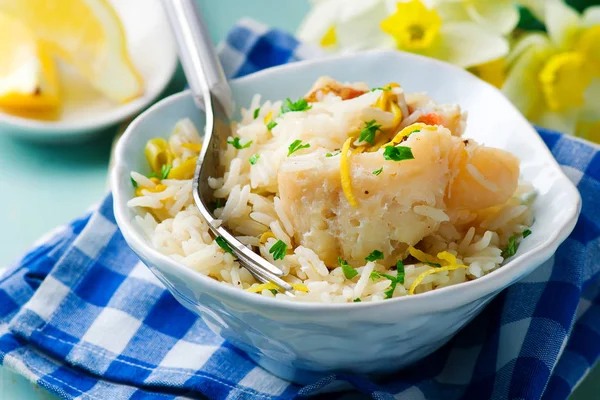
[(374, 275), (223, 244), (398, 153), (335, 153), (274, 291), (254, 159), (395, 280), (378, 171), (415, 131), (134, 183), (278, 250), (367, 134), (218, 203), (511, 249), (375, 255), (436, 265), (297, 145), (152, 175), (164, 171), (272, 124), (349, 272), (356, 300), (385, 89), (236, 143), (400, 269), (256, 112), (526, 233), (300, 105)]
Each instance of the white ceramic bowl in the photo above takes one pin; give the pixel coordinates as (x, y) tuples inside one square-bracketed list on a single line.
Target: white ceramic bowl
[(85, 113), (301, 342)]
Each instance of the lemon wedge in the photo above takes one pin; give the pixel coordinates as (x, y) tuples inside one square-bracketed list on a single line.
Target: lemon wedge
[(86, 34), (28, 79)]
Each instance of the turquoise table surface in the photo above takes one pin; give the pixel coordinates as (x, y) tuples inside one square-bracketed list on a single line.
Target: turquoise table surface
[(42, 187)]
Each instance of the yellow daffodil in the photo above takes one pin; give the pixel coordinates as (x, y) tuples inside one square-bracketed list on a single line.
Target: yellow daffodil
[(499, 15), (417, 28), (555, 80), (350, 25), (345, 25)]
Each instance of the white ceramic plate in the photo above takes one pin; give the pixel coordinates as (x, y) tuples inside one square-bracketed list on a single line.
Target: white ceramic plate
[(304, 341), (153, 52)]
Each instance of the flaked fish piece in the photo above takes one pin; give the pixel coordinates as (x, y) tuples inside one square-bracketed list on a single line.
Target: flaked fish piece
[(399, 207)]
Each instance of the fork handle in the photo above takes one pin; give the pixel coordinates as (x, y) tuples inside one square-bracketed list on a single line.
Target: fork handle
[(197, 54)]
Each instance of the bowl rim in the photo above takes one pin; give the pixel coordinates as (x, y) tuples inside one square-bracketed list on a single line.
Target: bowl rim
[(32, 128), (435, 300)]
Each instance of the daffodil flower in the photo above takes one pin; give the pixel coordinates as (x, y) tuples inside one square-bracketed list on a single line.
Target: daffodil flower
[(555, 80), (351, 25), (499, 15), (419, 29)]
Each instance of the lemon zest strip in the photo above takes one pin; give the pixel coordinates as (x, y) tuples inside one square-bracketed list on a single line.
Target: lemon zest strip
[(408, 130), (270, 286), (265, 236), (422, 256), (345, 173), (424, 274), (192, 146), (268, 117)]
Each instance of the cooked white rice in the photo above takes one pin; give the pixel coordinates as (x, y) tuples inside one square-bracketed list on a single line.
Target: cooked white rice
[(251, 206)]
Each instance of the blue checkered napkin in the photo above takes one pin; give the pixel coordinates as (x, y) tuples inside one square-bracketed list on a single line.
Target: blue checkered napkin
[(83, 318)]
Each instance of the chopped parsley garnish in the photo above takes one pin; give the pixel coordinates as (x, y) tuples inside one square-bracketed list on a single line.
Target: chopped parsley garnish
[(335, 153), (367, 134), (272, 124), (349, 272), (415, 131), (164, 171), (385, 89), (236, 143), (398, 153), (256, 112), (400, 269), (398, 279), (274, 291), (511, 249), (223, 244), (526, 233), (134, 183), (357, 300), (297, 145), (278, 250), (152, 175), (378, 171), (375, 255), (300, 105), (436, 265), (395, 280), (254, 159)]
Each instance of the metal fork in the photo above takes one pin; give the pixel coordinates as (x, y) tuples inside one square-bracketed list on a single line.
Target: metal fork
[(212, 95)]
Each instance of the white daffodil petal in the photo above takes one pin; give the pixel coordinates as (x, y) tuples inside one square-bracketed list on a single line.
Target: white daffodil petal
[(466, 44), (521, 84), (565, 121), (590, 110), (591, 16), (562, 23), (537, 7), (527, 41), (321, 17), (359, 25), (452, 10), (500, 15)]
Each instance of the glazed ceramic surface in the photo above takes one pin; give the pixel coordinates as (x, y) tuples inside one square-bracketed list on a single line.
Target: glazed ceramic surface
[(85, 112), (300, 341)]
